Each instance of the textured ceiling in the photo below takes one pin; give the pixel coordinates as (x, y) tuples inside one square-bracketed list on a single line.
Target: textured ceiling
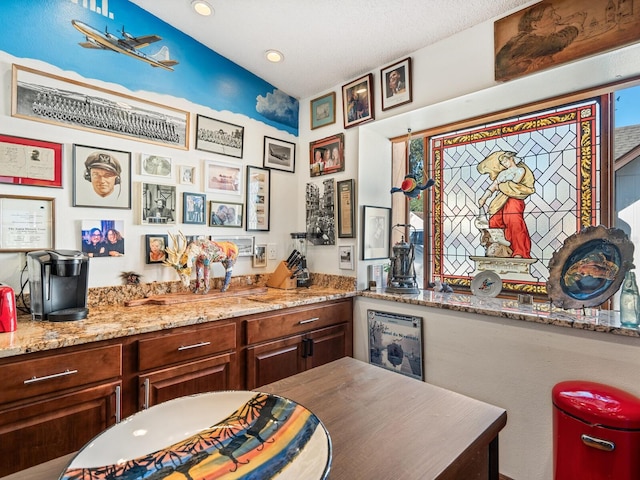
[(324, 42)]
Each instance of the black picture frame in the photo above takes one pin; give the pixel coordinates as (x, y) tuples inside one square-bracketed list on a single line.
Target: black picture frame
[(258, 199), (194, 208), (396, 86), (220, 137), (279, 155), (151, 250)]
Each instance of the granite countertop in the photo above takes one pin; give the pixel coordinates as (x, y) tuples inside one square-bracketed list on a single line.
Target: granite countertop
[(594, 319), (116, 320)]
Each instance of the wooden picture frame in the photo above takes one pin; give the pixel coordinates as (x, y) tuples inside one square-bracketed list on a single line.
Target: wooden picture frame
[(155, 245), (101, 177), (260, 255), (401, 337), (357, 101), (194, 208), (326, 155), (345, 257), (225, 214), (323, 110), (221, 177), (258, 199), (26, 223), (376, 232), (245, 244), (396, 86), (562, 31), (279, 155), (346, 208), (95, 109), (220, 137), (25, 161), (156, 166), (158, 204)]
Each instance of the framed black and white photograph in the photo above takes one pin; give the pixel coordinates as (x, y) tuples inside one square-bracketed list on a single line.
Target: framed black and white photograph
[(35, 95), (260, 255), (103, 238), (156, 165), (216, 136), (194, 208), (158, 204), (225, 214), (155, 246), (320, 212), (395, 343), (221, 177), (346, 209), (357, 101), (396, 88), (345, 254), (245, 244), (101, 177), (376, 236), (187, 175), (279, 155), (258, 198)]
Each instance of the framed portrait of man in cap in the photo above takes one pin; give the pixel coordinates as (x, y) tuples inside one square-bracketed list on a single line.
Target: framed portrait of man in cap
[(101, 177)]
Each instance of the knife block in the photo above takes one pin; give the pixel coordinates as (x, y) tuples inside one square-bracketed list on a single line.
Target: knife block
[(281, 278)]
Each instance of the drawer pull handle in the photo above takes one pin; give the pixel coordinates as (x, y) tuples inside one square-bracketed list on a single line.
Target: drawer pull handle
[(598, 443), (309, 320), (49, 377), (195, 345), (118, 403)]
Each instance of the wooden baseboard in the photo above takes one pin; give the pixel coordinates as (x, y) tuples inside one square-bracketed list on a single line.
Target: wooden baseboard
[(504, 477)]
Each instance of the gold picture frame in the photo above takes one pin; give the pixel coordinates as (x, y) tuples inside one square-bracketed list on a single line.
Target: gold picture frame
[(26, 223)]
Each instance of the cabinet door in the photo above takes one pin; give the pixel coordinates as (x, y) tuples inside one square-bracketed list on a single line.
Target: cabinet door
[(274, 360), (326, 345), (56, 426), (212, 374)]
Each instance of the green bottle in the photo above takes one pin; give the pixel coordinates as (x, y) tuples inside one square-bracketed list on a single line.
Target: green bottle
[(629, 302)]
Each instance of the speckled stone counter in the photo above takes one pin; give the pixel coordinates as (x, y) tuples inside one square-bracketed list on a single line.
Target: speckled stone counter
[(109, 318), (590, 319)]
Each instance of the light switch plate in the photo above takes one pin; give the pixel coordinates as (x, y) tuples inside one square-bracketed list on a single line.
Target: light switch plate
[(272, 251)]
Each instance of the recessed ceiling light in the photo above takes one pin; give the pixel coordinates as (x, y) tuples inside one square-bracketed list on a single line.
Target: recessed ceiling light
[(274, 56), (202, 7)]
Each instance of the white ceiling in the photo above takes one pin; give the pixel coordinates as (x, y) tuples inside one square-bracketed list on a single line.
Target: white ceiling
[(325, 42)]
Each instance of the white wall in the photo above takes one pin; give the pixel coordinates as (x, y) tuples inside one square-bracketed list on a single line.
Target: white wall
[(106, 271)]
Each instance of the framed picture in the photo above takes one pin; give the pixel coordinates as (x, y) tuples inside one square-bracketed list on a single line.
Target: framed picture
[(158, 204), (24, 161), (216, 136), (187, 175), (258, 198), (220, 177), (102, 238), (194, 208), (357, 101), (326, 155), (101, 177), (396, 88), (279, 155), (395, 342), (345, 254), (35, 95), (376, 231), (346, 212), (260, 255), (225, 214), (35, 213), (323, 110), (155, 246), (156, 165), (245, 244)]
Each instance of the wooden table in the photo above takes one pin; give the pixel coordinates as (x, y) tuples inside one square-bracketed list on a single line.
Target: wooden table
[(383, 425)]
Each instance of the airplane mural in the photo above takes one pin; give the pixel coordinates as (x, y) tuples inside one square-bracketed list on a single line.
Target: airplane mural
[(127, 44)]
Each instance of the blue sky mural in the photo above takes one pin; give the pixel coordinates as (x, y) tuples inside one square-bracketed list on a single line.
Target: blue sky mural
[(42, 30)]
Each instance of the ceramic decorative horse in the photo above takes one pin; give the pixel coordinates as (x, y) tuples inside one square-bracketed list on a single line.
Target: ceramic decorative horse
[(203, 254)]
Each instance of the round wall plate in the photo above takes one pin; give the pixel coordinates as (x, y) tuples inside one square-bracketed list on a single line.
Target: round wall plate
[(486, 284)]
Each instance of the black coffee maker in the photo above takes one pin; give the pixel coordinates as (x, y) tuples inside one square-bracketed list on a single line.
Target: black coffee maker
[(58, 282)]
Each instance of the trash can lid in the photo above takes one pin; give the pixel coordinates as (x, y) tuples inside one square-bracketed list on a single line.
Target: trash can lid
[(598, 404)]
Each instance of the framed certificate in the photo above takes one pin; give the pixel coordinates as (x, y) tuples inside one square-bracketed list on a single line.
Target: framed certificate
[(26, 223)]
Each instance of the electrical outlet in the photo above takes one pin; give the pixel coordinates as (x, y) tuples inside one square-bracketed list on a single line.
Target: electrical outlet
[(272, 251)]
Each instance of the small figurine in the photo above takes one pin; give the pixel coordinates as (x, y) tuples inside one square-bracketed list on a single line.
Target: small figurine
[(411, 188), (130, 278), (439, 286)]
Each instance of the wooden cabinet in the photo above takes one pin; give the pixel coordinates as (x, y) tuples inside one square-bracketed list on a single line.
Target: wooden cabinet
[(296, 339), (55, 403)]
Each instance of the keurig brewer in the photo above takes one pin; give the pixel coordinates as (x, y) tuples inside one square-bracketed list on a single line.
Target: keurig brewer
[(58, 284)]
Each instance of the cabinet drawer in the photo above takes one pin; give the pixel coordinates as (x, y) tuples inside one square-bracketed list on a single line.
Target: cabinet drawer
[(297, 320), (185, 345), (59, 371)]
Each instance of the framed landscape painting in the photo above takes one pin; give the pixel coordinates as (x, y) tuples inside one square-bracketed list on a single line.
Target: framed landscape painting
[(323, 110)]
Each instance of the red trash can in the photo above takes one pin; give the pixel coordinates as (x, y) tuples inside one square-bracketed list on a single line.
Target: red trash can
[(596, 432)]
